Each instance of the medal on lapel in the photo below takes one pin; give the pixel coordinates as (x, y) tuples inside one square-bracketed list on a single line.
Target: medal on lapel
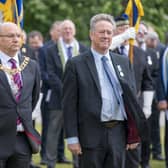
[(120, 71), (149, 60)]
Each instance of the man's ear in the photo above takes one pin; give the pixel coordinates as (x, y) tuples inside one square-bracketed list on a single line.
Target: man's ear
[(91, 35)]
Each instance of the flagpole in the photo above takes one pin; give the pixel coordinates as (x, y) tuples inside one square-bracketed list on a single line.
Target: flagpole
[(131, 41), (17, 15), (135, 11)]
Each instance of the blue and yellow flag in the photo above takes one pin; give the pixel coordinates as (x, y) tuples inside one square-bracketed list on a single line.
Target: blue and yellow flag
[(135, 11), (11, 11)]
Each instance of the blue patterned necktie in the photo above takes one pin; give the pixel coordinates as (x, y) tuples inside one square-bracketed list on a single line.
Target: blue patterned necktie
[(69, 52), (113, 82)]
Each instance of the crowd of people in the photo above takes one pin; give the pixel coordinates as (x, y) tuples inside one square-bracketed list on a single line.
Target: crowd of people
[(105, 105)]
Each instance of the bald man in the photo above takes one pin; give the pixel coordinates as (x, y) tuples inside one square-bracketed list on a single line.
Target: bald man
[(19, 88)]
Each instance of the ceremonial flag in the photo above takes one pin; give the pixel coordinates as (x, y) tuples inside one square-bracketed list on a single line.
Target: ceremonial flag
[(135, 11), (11, 11), (19, 12)]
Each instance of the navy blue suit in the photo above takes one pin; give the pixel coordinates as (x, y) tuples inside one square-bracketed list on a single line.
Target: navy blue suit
[(55, 74), (44, 89), (162, 95)]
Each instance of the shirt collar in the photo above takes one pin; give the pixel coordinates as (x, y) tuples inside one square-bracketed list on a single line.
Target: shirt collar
[(98, 56), (68, 45), (5, 58)]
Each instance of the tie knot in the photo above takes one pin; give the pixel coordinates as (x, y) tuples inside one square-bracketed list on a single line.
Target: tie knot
[(13, 62), (122, 49), (69, 48), (104, 58)]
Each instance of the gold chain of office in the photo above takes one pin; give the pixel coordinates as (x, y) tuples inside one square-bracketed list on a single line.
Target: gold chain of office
[(16, 70)]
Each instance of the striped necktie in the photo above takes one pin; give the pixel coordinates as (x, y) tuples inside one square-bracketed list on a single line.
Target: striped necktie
[(17, 80)]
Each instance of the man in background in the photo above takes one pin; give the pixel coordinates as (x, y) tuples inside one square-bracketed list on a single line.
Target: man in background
[(144, 84), (57, 54)]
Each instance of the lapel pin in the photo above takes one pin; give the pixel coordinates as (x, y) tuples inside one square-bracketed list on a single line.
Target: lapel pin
[(121, 74), (149, 60), (120, 70)]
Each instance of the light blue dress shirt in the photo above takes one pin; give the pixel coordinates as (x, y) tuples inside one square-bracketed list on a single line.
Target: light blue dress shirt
[(111, 110)]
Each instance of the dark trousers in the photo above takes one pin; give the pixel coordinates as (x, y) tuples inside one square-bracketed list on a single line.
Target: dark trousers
[(133, 158), (110, 154), (61, 145), (139, 155), (166, 142), (142, 155), (145, 148), (54, 128), (45, 120), (155, 129), (21, 155)]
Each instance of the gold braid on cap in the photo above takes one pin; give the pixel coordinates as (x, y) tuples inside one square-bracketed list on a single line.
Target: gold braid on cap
[(16, 70)]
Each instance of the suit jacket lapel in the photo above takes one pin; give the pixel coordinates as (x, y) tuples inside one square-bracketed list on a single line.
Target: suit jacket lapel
[(59, 57), (23, 75), (92, 67), (115, 64), (5, 83)]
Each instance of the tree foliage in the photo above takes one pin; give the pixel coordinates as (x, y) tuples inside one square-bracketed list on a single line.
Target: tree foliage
[(40, 14)]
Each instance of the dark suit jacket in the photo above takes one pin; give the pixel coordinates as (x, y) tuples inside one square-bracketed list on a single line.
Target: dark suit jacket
[(55, 73), (143, 77), (10, 109), (82, 100), (26, 51), (153, 64), (161, 93), (43, 66)]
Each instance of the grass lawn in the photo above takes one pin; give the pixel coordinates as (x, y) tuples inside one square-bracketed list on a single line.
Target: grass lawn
[(36, 158), (154, 164)]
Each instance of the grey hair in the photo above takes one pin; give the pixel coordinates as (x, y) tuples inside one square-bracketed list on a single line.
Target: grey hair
[(101, 17), (55, 24), (3, 24)]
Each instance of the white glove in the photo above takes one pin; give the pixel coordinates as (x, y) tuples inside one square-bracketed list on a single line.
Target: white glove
[(119, 39), (37, 111), (147, 103), (129, 33)]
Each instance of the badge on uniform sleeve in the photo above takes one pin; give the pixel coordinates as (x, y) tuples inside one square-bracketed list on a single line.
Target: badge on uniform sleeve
[(120, 71), (23, 50), (149, 60)]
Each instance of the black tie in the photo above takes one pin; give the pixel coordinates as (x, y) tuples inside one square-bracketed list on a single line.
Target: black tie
[(69, 52), (122, 50)]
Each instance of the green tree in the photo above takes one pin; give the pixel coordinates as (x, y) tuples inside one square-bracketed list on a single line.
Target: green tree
[(40, 14)]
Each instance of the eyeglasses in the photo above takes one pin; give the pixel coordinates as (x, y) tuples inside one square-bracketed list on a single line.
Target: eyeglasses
[(10, 35)]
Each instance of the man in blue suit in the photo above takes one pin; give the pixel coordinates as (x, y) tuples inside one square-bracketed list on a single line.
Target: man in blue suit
[(57, 54)]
